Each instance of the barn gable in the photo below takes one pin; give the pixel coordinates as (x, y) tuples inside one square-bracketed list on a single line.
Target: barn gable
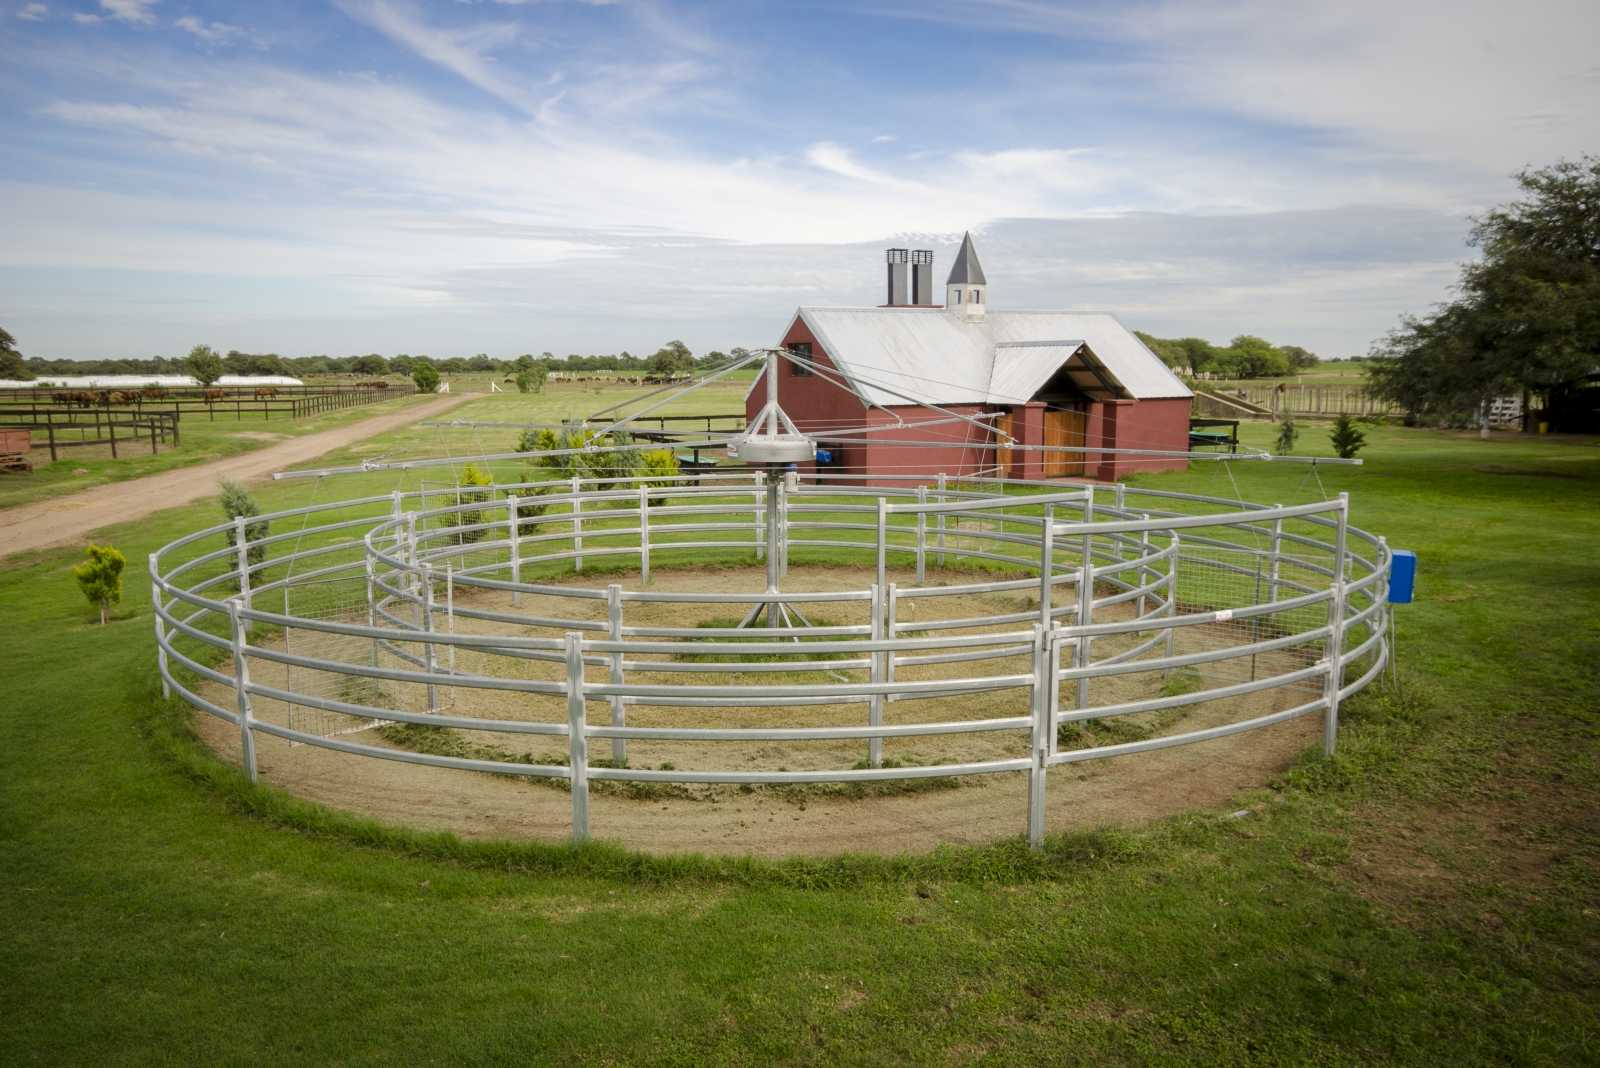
[(1003, 358)]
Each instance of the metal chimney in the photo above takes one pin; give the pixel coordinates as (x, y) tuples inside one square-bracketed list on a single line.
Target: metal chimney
[(922, 278), (898, 275)]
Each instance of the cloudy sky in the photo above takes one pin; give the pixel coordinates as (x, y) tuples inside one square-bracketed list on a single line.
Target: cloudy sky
[(501, 177)]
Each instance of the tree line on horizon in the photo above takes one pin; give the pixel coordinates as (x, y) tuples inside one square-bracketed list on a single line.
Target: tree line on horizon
[(672, 358), (1246, 356)]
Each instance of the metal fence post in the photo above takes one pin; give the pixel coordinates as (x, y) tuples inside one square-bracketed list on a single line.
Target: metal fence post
[(413, 581), (883, 542), (1047, 565), (922, 535), (242, 557), (1277, 560), (241, 689), (758, 495), (875, 702), (1335, 644), (1085, 614), (1041, 735), (161, 634), (450, 622), (577, 525), (372, 605), (644, 534), (577, 738), (429, 660), (619, 746), (1144, 568), (514, 522), (939, 523), (1172, 591)]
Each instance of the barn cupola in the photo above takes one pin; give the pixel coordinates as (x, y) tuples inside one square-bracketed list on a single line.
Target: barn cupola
[(966, 290)]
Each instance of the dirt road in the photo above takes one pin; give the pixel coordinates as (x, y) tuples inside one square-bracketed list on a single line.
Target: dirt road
[(69, 517)]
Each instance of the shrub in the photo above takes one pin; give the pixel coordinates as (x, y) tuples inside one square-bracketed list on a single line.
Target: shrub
[(658, 466), (237, 503), (426, 377), (531, 379), (1288, 434), (100, 577), (472, 477), (1346, 437)]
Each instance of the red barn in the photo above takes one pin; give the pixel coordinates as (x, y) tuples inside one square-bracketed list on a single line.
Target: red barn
[(1078, 379)]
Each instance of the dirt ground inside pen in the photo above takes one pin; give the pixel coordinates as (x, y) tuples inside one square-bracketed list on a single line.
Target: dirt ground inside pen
[(771, 821)]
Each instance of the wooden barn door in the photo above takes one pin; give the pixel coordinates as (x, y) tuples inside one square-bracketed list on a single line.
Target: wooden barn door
[(1003, 454), (1066, 428)]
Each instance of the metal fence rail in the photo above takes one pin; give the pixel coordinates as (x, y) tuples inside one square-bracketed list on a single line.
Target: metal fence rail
[(402, 609)]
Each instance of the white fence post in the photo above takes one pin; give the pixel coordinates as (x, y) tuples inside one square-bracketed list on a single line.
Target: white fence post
[(241, 688), (514, 522), (939, 522), (1335, 645), (619, 746), (1043, 683), (644, 534), (577, 525), (577, 738)]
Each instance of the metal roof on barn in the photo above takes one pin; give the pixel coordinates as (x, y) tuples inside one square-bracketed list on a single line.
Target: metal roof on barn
[(1006, 357)]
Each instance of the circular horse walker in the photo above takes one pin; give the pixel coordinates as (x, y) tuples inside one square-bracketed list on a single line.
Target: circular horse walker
[(758, 631)]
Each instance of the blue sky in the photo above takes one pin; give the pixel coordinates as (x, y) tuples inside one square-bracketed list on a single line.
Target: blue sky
[(501, 177)]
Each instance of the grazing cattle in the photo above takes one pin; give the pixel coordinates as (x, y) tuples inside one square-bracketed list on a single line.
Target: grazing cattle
[(83, 398), (116, 396), (213, 395), (263, 392), (64, 397), (153, 393)]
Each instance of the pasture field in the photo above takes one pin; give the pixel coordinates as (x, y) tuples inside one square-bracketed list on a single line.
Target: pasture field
[(202, 440), (1431, 893)]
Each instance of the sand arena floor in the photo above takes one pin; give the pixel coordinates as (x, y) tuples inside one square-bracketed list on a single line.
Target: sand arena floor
[(766, 820)]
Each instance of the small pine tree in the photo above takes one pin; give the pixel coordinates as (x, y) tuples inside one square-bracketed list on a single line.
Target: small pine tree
[(236, 503), (472, 476), (426, 377), (100, 577), (1346, 437), (1288, 434)]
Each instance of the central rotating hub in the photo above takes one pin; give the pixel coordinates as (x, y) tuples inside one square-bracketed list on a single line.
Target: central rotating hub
[(773, 443)]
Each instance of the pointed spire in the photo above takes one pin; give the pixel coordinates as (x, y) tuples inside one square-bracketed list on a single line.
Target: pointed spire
[(966, 270)]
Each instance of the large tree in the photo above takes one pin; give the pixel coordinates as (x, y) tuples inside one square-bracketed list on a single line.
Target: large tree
[(11, 365), (204, 364), (673, 358), (1526, 315)]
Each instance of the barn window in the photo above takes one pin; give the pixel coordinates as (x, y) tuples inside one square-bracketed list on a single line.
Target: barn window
[(800, 348)]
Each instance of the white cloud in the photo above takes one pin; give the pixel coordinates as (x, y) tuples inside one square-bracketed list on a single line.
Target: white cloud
[(465, 53), (134, 11), (209, 32), (85, 18), (33, 12), (884, 139)]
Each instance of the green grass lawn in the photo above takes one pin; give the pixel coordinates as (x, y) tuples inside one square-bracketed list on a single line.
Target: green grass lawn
[(201, 440), (1431, 894)]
